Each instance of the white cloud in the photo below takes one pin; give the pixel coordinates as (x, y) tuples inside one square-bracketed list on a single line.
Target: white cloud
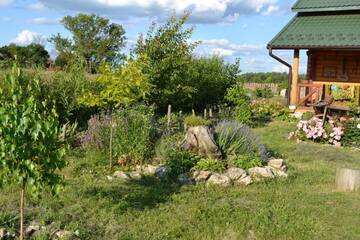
[(4, 3), (203, 11), (223, 52), (231, 49), (27, 37), (38, 6), (44, 21)]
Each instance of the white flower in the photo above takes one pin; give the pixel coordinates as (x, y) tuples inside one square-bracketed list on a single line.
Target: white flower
[(358, 126)]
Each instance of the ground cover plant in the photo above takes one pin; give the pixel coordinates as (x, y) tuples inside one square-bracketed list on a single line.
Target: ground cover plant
[(303, 205)]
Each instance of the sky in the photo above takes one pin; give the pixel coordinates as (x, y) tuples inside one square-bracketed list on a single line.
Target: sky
[(229, 28)]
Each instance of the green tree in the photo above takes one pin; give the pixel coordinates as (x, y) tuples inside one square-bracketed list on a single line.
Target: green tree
[(30, 150), (211, 77), (30, 56), (238, 97), (120, 86), (94, 39), (169, 50)]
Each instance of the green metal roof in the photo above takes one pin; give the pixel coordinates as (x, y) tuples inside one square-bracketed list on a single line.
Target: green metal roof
[(325, 5), (319, 31)]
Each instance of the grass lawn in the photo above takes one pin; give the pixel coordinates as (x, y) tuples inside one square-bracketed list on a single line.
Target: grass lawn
[(304, 206)]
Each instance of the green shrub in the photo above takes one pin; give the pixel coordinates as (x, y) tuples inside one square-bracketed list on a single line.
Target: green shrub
[(181, 161), (264, 93), (307, 116), (134, 133), (246, 161), (210, 165), (236, 139), (351, 137), (239, 97), (192, 121), (167, 144)]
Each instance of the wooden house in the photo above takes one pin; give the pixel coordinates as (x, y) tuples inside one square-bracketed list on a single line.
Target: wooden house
[(329, 32)]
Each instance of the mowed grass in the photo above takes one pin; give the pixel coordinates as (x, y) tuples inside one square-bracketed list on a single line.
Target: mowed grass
[(303, 206)]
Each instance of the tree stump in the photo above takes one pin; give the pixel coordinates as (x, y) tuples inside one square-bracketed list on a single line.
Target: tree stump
[(201, 139), (347, 180)]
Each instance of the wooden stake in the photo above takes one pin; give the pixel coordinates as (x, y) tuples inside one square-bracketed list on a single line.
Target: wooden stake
[(347, 180), (22, 212), (193, 112), (110, 143), (205, 113), (169, 116), (210, 113)]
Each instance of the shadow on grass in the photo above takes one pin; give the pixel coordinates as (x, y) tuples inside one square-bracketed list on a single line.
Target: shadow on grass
[(141, 194)]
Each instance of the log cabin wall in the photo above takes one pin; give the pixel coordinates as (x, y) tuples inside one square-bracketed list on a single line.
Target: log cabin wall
[(334, 66)]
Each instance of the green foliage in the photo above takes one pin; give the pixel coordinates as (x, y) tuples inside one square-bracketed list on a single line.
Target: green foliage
[(94, 39), (265, 110), (193, 121), (30, 150), (121, 86), (211, 77), (351, 137), (210, 165), (167, 144), (246, 161), (307, 116), (30, 56), (181, 161), (236, 139), (169, 50), (264, 93), (238, 96), (65, 87), (134, 134)]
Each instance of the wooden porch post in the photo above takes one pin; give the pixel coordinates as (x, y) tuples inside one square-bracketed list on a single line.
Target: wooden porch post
[(295, 79)]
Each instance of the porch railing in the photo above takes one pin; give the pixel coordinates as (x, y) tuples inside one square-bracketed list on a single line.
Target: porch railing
[(308, 94)]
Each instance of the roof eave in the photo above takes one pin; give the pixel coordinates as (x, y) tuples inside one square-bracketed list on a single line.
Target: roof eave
[(327, 9), (289, 47)]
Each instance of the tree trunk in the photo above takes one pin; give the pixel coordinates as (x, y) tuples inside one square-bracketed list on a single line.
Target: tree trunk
[(347, 180), (201, 139), (22, 199)]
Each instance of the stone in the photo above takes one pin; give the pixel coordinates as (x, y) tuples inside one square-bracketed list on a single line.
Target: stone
[(244, 181), (276, 163), (135, 175), (219, 179), (149, 169), (258, 173), (32, 228), (201, 176), (162, 171), (277, 172), (62, 235), (235, 173), (185, 179), (3, 234), (121, 175), (201, 139), (109, 178)]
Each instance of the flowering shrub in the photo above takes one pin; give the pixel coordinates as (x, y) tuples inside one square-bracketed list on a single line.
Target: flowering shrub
[(316, 131)]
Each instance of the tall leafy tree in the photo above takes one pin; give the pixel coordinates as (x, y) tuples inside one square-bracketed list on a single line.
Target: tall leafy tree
[(94, 39), (30, 150), (169, 51), (32, 55)]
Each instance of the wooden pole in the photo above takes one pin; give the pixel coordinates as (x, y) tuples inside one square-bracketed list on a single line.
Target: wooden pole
[(110, 143), (295, 79), (22, 212), (210, 113), (347, 180), (169, 116), (205, 113)]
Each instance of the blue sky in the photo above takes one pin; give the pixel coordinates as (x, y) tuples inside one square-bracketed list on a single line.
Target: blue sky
[(230, 28)]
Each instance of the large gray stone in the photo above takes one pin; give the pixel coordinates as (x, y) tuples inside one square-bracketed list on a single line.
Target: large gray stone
[(201, 176), (276, 163), (149, 169), (63, 235), (243, 181), (219, 179), (32, 228), (3, 234), (235, 173), (185, 179), (162, 171), (135, 175), (121, 175), (278, 172), (258, 173)]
